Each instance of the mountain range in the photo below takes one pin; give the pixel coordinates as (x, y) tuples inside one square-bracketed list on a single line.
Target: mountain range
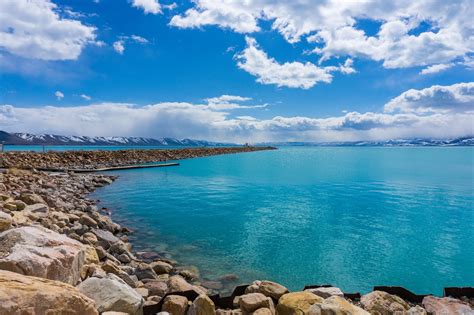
[(50, 139)]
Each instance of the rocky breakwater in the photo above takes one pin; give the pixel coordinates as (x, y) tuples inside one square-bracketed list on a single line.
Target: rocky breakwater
[(101, 159), (60, 254)]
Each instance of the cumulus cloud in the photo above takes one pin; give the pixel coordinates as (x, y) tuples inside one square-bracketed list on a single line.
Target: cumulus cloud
[(437, 98), (214, 121), (59, 95), (148, 6), (33, 29), (290, 74), (402, 40), (119, 47)]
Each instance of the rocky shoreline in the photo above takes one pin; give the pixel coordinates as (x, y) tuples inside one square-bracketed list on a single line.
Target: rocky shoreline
[(61, 254)]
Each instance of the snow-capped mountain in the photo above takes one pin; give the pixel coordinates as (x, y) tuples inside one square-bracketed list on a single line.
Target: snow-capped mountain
[(462, 141), (49, 139)]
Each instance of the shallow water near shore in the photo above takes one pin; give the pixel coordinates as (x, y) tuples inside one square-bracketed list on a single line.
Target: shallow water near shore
[(352, 217)]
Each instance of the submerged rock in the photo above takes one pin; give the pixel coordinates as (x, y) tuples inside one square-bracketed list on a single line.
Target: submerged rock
[(21, 294), (112, 294), (36, 251), (380, 302)]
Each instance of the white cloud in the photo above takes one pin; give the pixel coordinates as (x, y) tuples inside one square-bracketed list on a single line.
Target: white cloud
[(436, 68), (86, 97), (119, 46), (59, 95), (402, 40), (148, 6), (228, 98), (290, 74), (437, 98), (139, 39), (33, 29), (185, 120)]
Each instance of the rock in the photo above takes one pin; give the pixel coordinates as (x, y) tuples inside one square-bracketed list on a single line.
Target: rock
[(336, 305), (267, 288), (105, 238), (114, 313), (38, 209), (87, 220), (90, 255), (383, 303), (213, 285), (229, 312), (263, 311), (253, 301), (128, 279), (111, 267), (20, 205), (31, 199), (175, 304), (202, 305), (144, 271), (142, 291), (326, 292), (5, 221), (417, 310), (21, 294), (36, 251), (446, 306), (230, 277), (10, 206), (178, 284), (156, 287), (297, 303), (123, 258), (161, 267), (112, 294), (89, 238)]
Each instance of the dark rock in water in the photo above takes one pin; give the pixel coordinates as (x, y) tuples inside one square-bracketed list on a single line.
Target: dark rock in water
[(147, 257), (229, 278), (214, 285)]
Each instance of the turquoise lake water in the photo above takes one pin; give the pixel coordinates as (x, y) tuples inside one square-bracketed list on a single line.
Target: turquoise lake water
[(351, 217)]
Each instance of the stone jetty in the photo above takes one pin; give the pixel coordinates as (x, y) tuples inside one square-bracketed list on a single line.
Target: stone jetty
[(61, 254)]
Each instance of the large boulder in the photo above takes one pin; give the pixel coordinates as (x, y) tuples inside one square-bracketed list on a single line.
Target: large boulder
[(267, 288), (21, 294), (446, 306), (297, 303), (383, 303), (157, 287), (112, 294), (202, 305), (336, 305), (179, 284), (175, 304), (326, 292), (37, 251), (161, 267)]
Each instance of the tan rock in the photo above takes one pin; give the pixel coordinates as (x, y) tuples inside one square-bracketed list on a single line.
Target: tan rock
[(267, 288), (336, 305), (297, 303), (446, 306), (417, 310), (178, 284), (142, 291), (156, 287), (175, 304), (90, 255), (263, 311), (36, 251), (202, 305), (31, 199), (326, 292), (21, 294), (253, 301), (5, 221), (379, 302), (161, 267)]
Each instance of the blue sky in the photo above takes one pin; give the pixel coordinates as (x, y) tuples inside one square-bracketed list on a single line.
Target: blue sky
[(296, 71)]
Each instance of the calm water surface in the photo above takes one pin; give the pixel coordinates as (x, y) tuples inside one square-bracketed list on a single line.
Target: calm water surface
[(352, 217)]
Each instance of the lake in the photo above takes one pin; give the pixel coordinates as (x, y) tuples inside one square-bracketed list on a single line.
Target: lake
[(350, 216)]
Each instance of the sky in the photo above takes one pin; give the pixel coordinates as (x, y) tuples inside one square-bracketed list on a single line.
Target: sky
[(240, 71)]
